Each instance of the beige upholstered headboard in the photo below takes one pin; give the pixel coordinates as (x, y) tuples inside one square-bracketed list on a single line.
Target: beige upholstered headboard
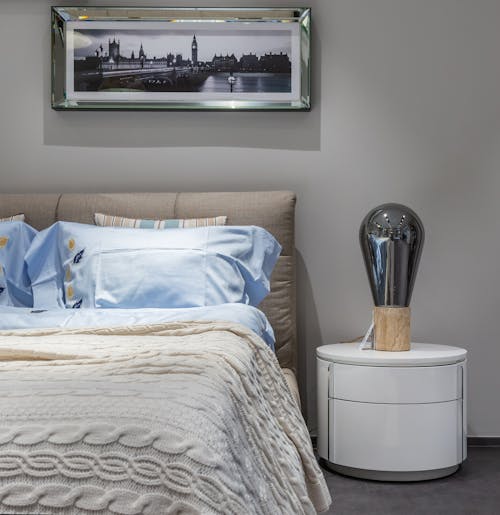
[(273, 210)]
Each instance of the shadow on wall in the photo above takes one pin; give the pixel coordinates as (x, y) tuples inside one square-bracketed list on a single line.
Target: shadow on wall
[(129, 129), (308, 338)]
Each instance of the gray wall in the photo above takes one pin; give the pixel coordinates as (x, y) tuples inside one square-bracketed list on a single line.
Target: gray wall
[(406, 108)]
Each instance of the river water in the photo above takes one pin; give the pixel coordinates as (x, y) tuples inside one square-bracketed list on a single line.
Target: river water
[(248, 83)]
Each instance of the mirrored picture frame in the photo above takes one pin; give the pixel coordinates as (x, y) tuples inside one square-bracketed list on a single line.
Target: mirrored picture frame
[(137, 58)]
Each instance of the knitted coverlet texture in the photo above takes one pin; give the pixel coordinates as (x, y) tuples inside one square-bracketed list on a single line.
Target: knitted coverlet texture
[(179, 418)]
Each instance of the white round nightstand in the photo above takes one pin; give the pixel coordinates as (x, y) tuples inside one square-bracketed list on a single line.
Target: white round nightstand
[(392, 416)]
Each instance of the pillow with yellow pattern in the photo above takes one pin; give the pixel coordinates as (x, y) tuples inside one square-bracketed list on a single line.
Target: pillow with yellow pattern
[(75, 265), (15, 240)]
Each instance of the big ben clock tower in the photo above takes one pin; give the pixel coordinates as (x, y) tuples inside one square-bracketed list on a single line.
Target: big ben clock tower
[(194, 52)]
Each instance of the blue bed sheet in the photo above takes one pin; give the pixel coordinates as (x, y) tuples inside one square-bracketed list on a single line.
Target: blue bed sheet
[(28, 318)]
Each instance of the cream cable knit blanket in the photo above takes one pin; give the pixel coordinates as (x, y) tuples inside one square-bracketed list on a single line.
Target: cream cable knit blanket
[(181, 418)]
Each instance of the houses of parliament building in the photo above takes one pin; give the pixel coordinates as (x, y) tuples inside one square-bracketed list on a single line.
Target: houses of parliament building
[(269, 62)]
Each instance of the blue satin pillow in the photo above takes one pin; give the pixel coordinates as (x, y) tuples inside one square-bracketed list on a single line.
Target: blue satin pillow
[(83, 266), (15, 240)]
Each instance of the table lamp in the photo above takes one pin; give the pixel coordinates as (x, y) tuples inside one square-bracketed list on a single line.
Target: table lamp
[(391, 238)]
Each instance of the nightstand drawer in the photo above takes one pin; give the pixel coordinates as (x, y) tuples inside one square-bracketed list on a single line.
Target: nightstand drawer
[(396, 437), (396, 385)]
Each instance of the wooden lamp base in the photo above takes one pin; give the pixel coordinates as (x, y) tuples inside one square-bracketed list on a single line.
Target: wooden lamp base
[(391, 328)]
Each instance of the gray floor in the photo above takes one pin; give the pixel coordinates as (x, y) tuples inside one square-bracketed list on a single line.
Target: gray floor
[(473, 490)]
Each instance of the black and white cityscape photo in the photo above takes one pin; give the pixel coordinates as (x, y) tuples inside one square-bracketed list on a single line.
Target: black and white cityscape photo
[(203, 61)]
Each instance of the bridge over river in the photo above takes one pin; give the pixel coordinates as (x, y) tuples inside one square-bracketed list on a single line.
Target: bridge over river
[(149, 77)]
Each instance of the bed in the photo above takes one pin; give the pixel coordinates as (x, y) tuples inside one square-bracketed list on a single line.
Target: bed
[(158, 416)]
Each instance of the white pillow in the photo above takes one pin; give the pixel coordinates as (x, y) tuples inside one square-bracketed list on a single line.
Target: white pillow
[(13, 218), (141, 223)]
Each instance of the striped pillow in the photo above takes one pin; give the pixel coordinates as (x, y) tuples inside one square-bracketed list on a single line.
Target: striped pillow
[(182, 223), (14, 218)]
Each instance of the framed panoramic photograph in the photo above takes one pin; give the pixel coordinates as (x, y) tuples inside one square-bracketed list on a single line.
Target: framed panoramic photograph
[(181, 58)]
